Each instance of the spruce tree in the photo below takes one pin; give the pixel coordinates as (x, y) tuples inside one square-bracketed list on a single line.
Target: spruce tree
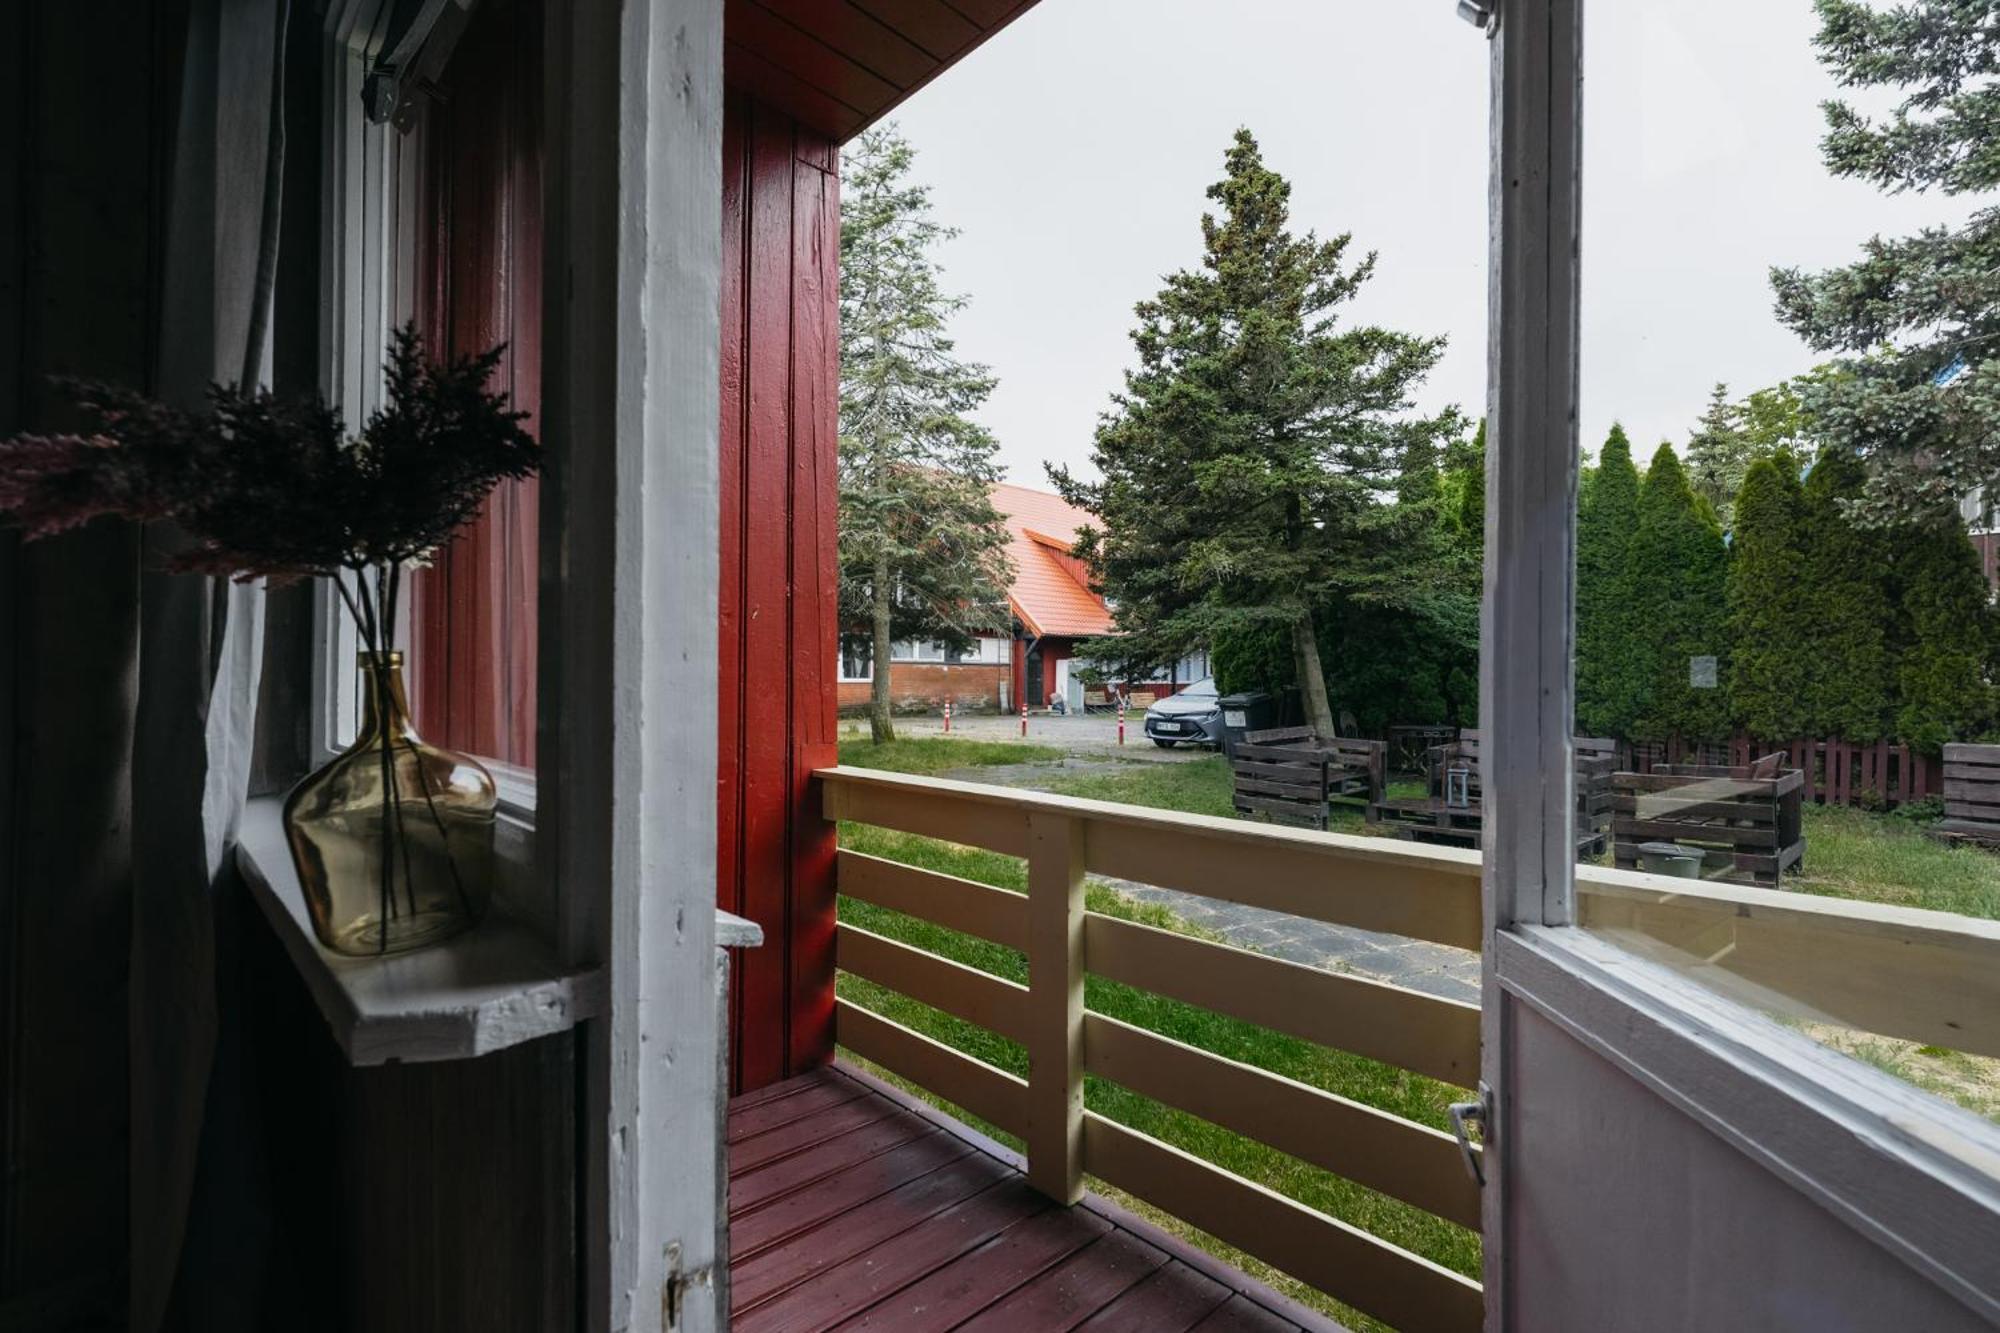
[(1608, 676), (1718, 454), (1679, 606), (1943, 692), (1843, 616), (1250, 466), (922, 550), (1768, 666), (1918, 395)]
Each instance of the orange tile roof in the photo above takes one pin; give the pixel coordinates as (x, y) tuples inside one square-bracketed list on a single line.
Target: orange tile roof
[(1046, 595)]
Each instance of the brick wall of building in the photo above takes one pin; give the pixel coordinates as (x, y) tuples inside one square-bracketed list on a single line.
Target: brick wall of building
[(924, 687)]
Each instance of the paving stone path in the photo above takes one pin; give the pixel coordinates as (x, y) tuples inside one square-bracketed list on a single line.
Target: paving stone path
[(1435, 969)]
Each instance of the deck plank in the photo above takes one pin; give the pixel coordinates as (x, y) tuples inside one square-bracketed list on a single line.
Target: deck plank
[(841, 1193), (853, 1286), (1073, 1290), (804, 1168), (855, 1206), (759, 1277), (1172, 1300), (746, 1155), (785, 1111)]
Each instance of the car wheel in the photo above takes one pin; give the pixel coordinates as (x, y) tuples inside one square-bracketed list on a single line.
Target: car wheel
[(1164, 745)]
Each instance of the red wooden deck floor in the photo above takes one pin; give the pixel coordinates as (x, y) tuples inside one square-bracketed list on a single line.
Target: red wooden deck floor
[(853, 1207)]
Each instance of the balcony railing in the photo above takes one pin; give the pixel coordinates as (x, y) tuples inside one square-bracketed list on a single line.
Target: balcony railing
[(1918, 975)]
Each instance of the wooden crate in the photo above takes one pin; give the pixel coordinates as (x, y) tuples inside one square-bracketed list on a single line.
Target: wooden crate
[(1745, 818), (1971, 795)]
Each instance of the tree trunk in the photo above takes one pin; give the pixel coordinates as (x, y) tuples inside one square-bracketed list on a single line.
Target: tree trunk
[(1312, 681), (881, 726)]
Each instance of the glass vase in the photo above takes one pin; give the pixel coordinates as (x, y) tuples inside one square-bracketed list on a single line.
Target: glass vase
[(394, 838)]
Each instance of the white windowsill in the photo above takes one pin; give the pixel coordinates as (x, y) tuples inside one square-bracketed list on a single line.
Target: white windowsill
[(495, 986)]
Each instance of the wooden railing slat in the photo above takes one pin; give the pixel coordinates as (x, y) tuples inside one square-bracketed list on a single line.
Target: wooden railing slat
[(992, 1094), (1425, 1033), (957, 904), (1898, 972), (1403, 1289), (1400, 1158), (978, 997)]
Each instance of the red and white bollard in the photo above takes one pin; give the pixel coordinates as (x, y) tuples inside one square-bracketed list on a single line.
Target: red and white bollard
[(1024, 719), (1121, 719), (947, 717)]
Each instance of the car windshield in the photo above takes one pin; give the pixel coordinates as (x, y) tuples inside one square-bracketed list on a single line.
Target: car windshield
[(1201, 689)]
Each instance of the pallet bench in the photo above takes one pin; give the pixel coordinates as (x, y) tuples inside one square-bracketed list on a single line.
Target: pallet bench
[(1290, 775), (1451, 812), (1744, 819), (1971, 795)]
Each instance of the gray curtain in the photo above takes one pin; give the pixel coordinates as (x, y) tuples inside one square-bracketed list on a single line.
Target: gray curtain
[(200, 640)]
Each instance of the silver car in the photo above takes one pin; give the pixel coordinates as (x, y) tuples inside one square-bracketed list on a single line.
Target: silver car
[(1193, 715)]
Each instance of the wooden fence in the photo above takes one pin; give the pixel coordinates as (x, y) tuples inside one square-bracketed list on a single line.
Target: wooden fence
[(1836, 772)]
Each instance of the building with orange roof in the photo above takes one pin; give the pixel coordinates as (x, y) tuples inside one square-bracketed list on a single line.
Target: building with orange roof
[(1053, 608)]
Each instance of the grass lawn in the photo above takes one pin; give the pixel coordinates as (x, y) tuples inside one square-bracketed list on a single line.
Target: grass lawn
[(936, 754), (1177, 786)]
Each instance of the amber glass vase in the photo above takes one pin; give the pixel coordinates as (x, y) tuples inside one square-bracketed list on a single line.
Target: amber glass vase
[(393, 838)]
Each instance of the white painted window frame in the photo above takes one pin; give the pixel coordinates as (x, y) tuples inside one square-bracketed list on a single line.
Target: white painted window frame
[(367, 288), (1920, 1177)]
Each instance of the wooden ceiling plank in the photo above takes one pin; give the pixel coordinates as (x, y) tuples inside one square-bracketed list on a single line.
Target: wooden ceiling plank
[(861, 37), (745, 69), (988, 14), (798, 52), (931, 24)]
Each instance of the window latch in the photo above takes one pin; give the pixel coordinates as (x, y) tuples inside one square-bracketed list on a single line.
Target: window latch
[(1481, 1114), (1480, 13)]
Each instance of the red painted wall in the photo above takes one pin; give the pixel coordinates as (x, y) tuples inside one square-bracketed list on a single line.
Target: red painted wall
[(472, 674), (969, 686), (776, 714)]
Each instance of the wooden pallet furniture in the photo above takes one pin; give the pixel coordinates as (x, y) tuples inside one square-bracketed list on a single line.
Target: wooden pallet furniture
[(1745, 818), (1451, 811), (1971, 795), (1291, 775)]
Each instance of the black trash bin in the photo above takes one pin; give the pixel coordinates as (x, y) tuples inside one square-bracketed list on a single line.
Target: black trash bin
[(1251, 710)]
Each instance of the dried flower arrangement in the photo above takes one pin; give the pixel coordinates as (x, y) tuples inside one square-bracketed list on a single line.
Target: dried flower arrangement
[(263, 487)]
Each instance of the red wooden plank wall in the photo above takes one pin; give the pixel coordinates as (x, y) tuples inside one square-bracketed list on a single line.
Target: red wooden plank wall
[(480, 283), (776, 711)]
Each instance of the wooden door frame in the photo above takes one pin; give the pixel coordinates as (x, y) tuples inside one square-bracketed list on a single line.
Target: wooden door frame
[(625, 803)]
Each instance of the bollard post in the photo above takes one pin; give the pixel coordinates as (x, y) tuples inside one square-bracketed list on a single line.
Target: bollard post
[(947, 717), (1121, 719), (1024, 719)]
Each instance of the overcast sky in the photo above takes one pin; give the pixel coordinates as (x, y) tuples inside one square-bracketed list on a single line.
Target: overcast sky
[(1072, 150)]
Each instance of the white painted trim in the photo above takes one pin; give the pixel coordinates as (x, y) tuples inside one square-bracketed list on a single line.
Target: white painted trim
[(630, 553), (1526, 683), (1919, 1177), (367, 285)]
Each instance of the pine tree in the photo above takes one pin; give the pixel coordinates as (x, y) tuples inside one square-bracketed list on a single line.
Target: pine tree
[(1918, 396), (1842, 619), (922, 550), (1768, 666), (1679, 606), (1249, 466), (1608, 678), (1943, 692)]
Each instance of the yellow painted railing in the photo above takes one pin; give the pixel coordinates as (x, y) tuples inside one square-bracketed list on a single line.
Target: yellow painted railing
[(1917, 975)]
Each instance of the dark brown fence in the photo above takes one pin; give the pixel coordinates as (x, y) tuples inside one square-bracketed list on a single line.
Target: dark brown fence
[(1836, 772)]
